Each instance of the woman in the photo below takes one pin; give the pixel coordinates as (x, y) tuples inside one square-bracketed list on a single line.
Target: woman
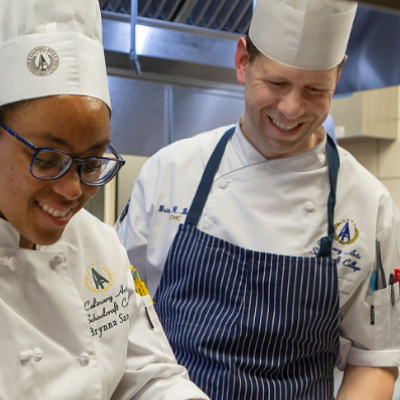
[(72, 325)]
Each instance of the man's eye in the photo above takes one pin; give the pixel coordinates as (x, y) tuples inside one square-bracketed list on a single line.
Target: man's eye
[(275, 83)]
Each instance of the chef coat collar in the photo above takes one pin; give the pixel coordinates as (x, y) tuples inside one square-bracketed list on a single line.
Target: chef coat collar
[(9, 236), (249, 155)]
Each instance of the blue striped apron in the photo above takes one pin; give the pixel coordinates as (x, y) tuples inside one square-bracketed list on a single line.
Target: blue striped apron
[(251, 325)]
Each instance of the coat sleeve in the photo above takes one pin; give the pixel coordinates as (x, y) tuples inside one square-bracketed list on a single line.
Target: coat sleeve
[(151, 368), (132, 228), (370, 326)]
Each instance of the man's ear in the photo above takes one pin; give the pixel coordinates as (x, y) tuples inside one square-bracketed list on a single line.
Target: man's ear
[(242, 61)]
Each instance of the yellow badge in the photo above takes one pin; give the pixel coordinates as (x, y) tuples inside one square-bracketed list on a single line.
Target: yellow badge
[(140, 286), (346, 232), (98, 279)]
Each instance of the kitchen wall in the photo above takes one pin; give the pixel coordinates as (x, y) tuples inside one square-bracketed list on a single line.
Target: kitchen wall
[(381, 158), (148, 115)]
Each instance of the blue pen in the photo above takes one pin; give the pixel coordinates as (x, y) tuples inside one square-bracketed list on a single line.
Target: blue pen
[(373, 281)]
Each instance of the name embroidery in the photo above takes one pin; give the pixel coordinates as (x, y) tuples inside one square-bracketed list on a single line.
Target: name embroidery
[(347, 259), (112, 306), (174, 210)]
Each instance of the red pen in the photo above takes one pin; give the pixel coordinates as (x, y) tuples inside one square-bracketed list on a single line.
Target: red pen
[(396, 275)]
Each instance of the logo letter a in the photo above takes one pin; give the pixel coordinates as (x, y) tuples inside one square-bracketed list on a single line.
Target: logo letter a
[(344, 234), (98, 279)]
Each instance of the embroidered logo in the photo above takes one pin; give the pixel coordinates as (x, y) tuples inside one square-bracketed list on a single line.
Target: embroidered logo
[(98, 279), (42, 61), (125, 212), (346, 232)]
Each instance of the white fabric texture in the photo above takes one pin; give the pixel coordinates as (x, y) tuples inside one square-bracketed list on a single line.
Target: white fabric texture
[(277, 206), (73, 32), (64, 337), (304, 34)]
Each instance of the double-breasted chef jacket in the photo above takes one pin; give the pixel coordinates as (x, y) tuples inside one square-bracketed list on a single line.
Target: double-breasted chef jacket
[(284, 213), (73, 327)]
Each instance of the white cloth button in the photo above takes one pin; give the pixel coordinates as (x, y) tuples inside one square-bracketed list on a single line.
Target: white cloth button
[(223, 184), (56, 261), (84, 358), (309, 207), (37, 354), (26, 355), (10, 262)]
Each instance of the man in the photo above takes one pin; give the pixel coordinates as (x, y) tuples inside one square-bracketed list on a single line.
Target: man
[(265, 285), (72, 326)]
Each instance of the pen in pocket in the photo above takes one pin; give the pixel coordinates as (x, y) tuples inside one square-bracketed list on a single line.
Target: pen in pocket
[(379, 266), (391, 283)]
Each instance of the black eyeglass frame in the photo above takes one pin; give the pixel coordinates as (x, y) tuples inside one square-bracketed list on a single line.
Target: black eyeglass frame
[(120, 162)]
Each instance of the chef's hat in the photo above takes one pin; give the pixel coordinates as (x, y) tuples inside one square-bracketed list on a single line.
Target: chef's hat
[(51, 47), (304, 34)]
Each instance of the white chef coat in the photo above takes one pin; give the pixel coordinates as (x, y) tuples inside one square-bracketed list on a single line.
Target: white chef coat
[(65, 337), (284, 213)]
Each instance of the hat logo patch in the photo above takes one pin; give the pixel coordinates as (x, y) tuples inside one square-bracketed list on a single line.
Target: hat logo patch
[(42, 61)]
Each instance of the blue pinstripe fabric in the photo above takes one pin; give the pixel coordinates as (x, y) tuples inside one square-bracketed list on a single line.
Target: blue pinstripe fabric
[(251, 325)]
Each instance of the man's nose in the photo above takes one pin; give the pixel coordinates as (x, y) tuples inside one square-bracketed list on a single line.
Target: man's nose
[(291, 104)]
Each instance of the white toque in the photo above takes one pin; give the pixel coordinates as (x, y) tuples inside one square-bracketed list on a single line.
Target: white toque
[(303, 34), (51, 47)]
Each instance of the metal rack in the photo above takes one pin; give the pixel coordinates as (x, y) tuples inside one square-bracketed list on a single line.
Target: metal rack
[(224, 15)]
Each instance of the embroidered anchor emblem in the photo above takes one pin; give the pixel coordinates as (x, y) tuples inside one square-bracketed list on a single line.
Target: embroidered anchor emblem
[(175, 218), (101, 284), (348, 233), (98, 279)]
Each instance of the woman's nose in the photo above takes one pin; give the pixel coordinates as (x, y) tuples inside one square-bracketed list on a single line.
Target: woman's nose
[(69, 185)]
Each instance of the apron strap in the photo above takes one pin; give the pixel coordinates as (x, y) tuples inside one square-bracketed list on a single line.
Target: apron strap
[(333, 166), (204, 188), (199, 200)]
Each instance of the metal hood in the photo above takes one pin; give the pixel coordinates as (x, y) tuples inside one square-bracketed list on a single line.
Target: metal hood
[(196, 40)]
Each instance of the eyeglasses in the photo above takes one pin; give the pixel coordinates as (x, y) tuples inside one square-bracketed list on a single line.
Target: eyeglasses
[(49, 164)]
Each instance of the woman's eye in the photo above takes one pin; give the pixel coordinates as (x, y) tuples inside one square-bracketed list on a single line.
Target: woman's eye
[(91, 167), (46, 164)]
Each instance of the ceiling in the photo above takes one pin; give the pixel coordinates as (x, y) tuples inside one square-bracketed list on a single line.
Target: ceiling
[(374, 46), (225, 15)]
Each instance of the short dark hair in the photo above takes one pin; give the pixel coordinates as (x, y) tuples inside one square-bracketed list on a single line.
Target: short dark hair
[(7, 109), (254, 53), (252, 49)]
